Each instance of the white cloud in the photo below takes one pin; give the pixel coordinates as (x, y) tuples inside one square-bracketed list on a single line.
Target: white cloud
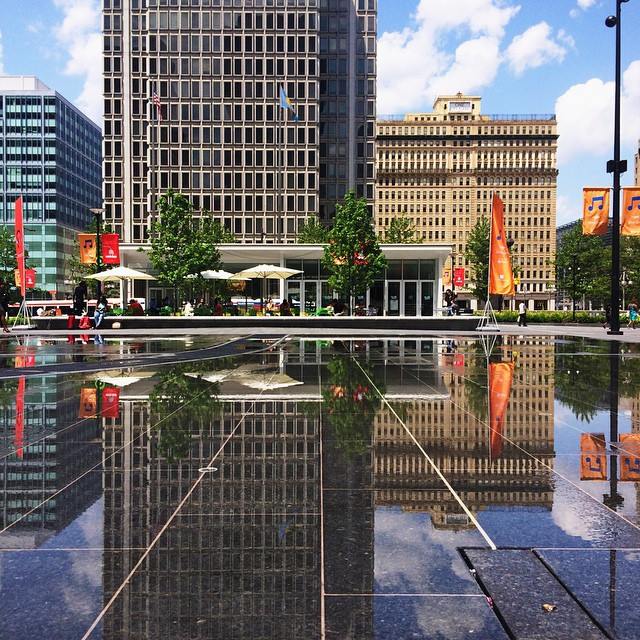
[(1, 54), (534, 48), (566, 210), (414, 65), (586, 4), (35, 27), (79, 35), (585, 115)]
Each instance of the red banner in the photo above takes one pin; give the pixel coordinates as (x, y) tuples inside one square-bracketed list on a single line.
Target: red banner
[(19, 438), (19, 233), (595, 211), (593, 458), (110, 248), (500, 271), (458, 277), (630, 212), (500, 379), (630, 457), (30, 275), (110, 402)]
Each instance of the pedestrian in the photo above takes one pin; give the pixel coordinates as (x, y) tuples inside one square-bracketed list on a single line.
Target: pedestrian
[(101, 310), (4, 305), (285, 308), (522, 314), (633, 314), (218, 309), (607, 317), (79, 296)]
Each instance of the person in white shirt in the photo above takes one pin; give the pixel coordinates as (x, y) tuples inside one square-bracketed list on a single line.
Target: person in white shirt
[(522, 315)]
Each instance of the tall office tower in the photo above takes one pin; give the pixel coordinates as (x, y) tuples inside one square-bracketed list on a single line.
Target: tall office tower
[(441, 169), (50, 155), (221, 138)]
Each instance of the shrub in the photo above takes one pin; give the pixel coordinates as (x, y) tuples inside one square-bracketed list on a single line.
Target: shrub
[(203, 311), (551, 317)]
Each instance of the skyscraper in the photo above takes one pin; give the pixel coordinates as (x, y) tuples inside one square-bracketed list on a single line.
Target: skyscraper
[(50, 154), (440, 170), (218, 134)]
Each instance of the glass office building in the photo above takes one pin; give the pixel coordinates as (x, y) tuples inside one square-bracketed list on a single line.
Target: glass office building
[(50, 154), (217, 67)]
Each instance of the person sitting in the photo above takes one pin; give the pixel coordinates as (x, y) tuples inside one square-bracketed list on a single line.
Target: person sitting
[(218, 309), (270, 308), (135, 308), (372, 311), (100, 312), (339, 308), (187, 309), (285, 308)]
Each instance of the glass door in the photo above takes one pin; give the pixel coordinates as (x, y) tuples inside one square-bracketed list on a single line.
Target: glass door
[(393, 298), (410, 298), (310, 297), (426, 299)]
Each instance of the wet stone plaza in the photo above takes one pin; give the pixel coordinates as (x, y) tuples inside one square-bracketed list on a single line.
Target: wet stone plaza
[(276, 488)]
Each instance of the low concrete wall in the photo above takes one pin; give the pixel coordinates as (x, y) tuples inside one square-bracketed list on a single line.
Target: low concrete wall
[(453, 323)]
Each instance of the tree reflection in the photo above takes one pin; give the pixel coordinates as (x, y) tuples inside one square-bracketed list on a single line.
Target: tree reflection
[(182, 402), (350, 403)]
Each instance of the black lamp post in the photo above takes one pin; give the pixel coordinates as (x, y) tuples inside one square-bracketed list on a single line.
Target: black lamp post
[(617, 167), (98, 216)]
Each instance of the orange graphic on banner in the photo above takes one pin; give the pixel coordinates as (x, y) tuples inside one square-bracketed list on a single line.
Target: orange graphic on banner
[(446, 277), (595, 211), (593, 458), (630, 457), (88, 402), (500, 379), (630, 212), (87, 248), (500, 271), (19, 437)]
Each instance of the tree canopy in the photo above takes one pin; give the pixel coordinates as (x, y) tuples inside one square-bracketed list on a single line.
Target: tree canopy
[(182, 244), (401, 231), (582, 266), (477, 254), (353, 256), (313, 232)]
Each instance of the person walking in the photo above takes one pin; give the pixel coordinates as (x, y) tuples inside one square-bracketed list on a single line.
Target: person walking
[(522, 314), (79, 296), (607, 317), (4, 305), (633, 314)]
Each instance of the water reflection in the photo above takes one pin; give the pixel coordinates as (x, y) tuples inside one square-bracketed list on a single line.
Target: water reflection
[(322, 513)]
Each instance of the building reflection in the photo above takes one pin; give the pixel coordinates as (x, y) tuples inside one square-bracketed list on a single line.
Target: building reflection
[(249, 552), (30, 476)]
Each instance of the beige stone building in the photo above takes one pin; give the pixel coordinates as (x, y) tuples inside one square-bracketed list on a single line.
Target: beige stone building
[(440, 170)]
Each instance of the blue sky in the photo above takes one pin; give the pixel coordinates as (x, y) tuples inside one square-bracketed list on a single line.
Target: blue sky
[(526, 56)]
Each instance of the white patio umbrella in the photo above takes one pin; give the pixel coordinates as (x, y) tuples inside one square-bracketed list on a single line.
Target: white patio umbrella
[(266, 271), (270, 381), (119, 274)]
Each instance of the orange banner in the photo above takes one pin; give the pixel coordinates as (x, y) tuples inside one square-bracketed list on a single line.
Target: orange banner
[(630, 212), (19, 235), (630, 457), (500, 379), (500, 271), (87, 248), (595, 211), (446, 277), (88, 402), (593, 458), (19, 438)]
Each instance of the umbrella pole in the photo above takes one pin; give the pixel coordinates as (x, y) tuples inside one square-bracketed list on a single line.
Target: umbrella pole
[(264, 280)]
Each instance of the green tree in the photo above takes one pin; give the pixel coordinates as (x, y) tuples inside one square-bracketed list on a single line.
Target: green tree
[(477, 254), (352, 256), (582, 264), (402, 231), (313, 232), (182, 244), (8, 262), (630, 267)]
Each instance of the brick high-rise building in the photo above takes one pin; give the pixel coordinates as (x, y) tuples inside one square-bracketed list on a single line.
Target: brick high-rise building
[(217, 70), (440, 170)]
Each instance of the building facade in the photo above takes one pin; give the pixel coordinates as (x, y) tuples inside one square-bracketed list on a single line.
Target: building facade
[(441, 169), (50, 155), (221, 137)]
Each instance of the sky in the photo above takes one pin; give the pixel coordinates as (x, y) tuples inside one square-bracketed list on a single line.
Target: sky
[(526, 56)]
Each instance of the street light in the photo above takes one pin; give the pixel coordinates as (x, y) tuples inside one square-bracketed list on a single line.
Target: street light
[(98, 216), (617, 167)]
